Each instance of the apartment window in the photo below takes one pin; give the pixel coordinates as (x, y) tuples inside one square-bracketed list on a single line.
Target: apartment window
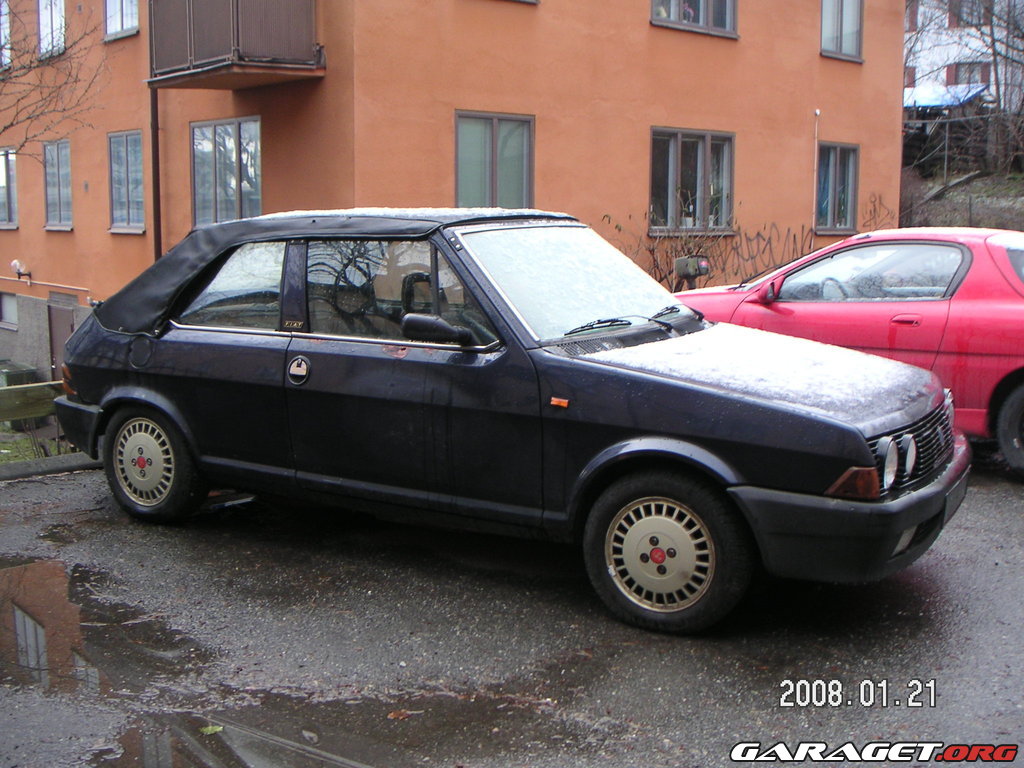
[(31, 639), (912, 14), (691, 180), (707, 15), (51, 28), (909, 77), (837, 188), (841, 27), (8, 189), (122, 16), (226, 176), (970, 13), (5, 33), (969, 73), (494, 160), (8, 310), (126, 208), (57, 170)]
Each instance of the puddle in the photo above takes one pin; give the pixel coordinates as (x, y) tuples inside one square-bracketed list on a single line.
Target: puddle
[(439, 728), (58, 637)]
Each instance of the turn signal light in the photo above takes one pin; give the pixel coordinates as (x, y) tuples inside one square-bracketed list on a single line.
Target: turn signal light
[(857, 483)]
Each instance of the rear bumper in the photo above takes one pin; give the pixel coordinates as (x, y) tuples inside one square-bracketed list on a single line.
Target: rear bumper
[(80, 423), (824, 539)]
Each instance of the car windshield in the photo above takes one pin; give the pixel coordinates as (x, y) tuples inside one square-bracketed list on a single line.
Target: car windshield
[(569, 280)]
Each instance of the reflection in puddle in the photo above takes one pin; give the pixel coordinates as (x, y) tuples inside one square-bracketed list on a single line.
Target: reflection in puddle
[(56, 636)]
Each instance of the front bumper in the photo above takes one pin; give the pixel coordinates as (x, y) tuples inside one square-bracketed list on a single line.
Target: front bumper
[(80, 423), (826, 539)]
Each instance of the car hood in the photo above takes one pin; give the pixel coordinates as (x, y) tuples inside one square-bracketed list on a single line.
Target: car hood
[(875, 394)]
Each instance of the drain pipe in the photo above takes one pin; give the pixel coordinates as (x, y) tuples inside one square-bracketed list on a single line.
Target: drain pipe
[(154, 149), (814, 180)]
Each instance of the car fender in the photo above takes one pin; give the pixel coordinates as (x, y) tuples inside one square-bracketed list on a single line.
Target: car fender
[(146, 398), (635, 453)]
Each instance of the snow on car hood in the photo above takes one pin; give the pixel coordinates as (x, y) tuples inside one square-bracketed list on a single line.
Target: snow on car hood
[(860, 389)]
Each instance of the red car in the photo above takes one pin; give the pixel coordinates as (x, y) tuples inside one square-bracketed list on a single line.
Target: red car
[(951, 300)]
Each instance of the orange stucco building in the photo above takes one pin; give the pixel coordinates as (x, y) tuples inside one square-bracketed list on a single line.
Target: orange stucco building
[(761, 128)]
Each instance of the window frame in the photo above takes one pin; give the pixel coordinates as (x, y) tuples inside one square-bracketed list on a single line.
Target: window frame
[(120, 28), (9, 177), (705, 27), (239, 206), (128, 226), (956, 18), (496, 119), (831, 227), (840, 16), (64, 184), (8, 321), (706, 139), (956, 73), (51, 32)]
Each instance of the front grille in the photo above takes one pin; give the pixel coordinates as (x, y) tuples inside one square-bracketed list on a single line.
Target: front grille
[(934, 437)]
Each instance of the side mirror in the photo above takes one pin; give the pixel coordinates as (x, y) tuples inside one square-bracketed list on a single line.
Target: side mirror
[(434, 329), (767, 293)]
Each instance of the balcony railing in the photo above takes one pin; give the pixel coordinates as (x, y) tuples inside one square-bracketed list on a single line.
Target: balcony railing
[(231, 44)]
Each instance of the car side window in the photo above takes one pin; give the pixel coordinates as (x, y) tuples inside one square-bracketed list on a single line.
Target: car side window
[(245, 292), (883, 272), (363, 288)]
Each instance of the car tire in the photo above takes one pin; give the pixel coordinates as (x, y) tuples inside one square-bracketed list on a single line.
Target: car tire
[(149, 467), (1010, 430), (667, 552)]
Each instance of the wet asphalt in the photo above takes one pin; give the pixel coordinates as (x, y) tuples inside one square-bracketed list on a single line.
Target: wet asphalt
[(269, 635)]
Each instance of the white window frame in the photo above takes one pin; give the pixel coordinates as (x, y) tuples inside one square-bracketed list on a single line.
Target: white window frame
[(51, 28), (5, 34), (492, 158)]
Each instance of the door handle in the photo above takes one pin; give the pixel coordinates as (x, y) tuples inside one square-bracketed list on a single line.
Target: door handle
[(911, 320)]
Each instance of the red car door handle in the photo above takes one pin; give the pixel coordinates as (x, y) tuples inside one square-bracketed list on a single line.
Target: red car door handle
[(913, 320)]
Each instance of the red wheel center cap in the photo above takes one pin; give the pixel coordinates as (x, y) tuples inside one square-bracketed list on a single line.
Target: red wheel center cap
[(140, 462), (657, 555)]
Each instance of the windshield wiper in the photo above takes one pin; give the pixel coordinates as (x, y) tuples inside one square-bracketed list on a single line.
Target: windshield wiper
[(674, 309), (608, 322)]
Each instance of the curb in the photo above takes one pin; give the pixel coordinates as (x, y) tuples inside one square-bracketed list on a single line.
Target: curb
[(53, 465)]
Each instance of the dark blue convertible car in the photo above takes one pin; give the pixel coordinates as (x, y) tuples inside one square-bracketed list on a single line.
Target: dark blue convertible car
[(509, 370)]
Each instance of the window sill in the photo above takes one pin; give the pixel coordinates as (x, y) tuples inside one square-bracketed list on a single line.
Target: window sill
[(682, 26), (8, 225), (842, 57), (8, 326), (127, 230), (832, 231), (58, 227), (689, 232), (120, 35)]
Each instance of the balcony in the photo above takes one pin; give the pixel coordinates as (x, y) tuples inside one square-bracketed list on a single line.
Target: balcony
[(233, 44)]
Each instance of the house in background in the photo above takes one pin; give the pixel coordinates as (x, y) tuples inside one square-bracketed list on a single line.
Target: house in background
[(769, 133), (963, 82)]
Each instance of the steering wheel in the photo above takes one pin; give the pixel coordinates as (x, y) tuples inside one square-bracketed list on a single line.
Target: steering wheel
[(833, 286)]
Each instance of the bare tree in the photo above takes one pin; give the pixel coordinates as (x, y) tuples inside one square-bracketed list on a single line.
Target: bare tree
[(49, 73)]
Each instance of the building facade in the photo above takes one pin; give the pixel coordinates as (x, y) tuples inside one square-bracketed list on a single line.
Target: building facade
[(762, 132)]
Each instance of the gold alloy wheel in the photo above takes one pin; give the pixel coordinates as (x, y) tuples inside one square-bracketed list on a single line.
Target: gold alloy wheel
[(144, 462), (659, 554)]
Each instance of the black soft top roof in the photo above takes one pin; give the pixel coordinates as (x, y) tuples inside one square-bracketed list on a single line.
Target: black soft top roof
[(144, 304)]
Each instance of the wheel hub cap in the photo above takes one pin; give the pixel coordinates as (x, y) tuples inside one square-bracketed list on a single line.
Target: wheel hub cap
[(659, 554), (145, 462)]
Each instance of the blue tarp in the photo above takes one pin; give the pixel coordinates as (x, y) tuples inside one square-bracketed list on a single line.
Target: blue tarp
[(933, 95)]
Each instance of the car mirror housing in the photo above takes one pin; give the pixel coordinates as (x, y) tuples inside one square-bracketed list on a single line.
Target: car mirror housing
[(767, 293), (434, 329)]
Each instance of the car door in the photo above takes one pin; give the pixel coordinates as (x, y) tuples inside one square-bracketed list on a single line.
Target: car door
[(378, 417), (221, 365), (886, 298)]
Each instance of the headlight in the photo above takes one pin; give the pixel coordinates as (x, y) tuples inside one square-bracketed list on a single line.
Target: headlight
[(890, 454), (908, 447), (950, 411)]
